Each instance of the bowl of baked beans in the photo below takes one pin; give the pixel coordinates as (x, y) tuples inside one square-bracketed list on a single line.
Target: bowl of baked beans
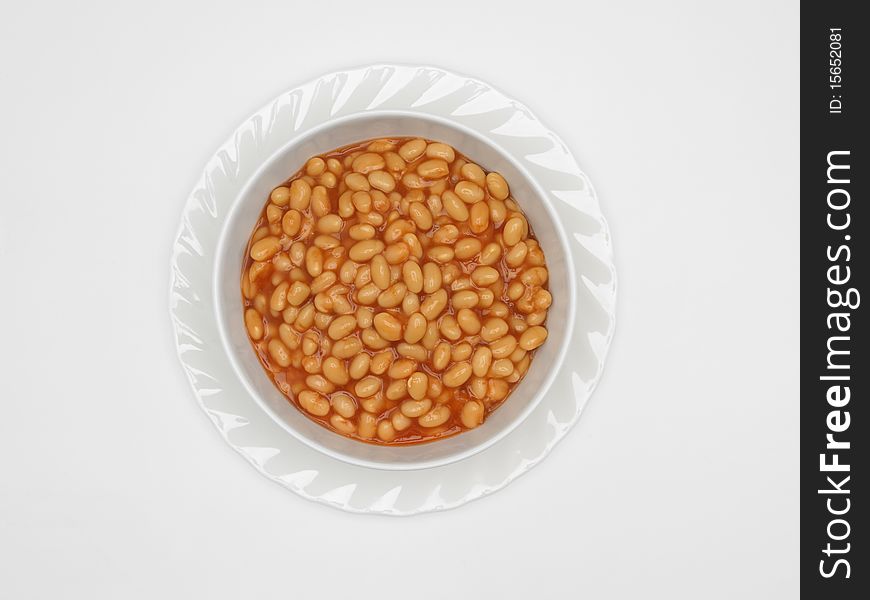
[(394, 290)]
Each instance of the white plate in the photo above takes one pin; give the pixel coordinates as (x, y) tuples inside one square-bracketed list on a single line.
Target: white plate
[(248, 429)]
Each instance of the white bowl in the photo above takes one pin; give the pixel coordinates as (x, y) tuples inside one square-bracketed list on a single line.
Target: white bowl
[(541, 215)]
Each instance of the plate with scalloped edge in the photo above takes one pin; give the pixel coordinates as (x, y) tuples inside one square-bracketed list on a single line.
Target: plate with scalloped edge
[(428, 94)]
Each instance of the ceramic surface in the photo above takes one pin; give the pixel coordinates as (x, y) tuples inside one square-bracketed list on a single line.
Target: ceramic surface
[(358, 104)]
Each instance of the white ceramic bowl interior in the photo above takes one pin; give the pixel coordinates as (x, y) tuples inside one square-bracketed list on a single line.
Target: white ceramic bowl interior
[(541, 216)]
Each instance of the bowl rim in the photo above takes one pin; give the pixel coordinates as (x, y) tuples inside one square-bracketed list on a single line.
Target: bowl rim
[(220, 274)]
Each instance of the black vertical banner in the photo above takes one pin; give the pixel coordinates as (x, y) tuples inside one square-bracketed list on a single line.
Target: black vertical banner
[(835, 367)]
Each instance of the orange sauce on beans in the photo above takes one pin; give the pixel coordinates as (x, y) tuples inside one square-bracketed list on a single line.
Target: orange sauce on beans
[(394, 291)]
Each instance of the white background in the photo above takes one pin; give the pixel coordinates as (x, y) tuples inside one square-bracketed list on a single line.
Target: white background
[(681, 480)]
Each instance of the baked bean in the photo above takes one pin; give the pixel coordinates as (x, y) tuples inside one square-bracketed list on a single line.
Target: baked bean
[(361, 231), (395, 290), (315, 166), (440, 254), (254, 323), (457, 374), (388, 326), (503, 347), (446, 234), (347, 347), (497, 211), (432, 336), (501, 368), (481, 361), (298, 293), (473, 173), (415, 351), (512, 233), (357, 182), (412, 242), (367, 386), (383, 181), (542, 300), (469, 192), (421, 215), (341, 424), (305, 318), (441, 356), (323, 281), (341, 327), (449, 328), (363, 275), (536, 318), (418, 384), (467, 248), (280, 196), (394, 162), (368, 162), (314, 403), (499, 309), (412, 149), (435, 417), (468, 321), (265, 249), (478, 217), (300, 194), (380, 362), (414, 329), (497, 186), (364, 317), (412, 275), (330, 223), (433, 169), (493, 329), (534, 276), (278, 301), (259, 234), (386, 431), (442, 151), (363, 251), (376, 404), (320, 205), (392, 296), (414, 408), (372, 339), (449, 273), (461, 352), (367, 425), (323, 302), (326, 242), (454, 206), (434, 304), (484, 276), (380, 146), (314, 261), (359, 366), (397, 253), (533, 337), (518, 355), (402, 368), (414, 181), (397, 390), (431, 277), (411, 303), (344, 404), (346, 207), (380, 272), (319, 383), (279, 352)]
